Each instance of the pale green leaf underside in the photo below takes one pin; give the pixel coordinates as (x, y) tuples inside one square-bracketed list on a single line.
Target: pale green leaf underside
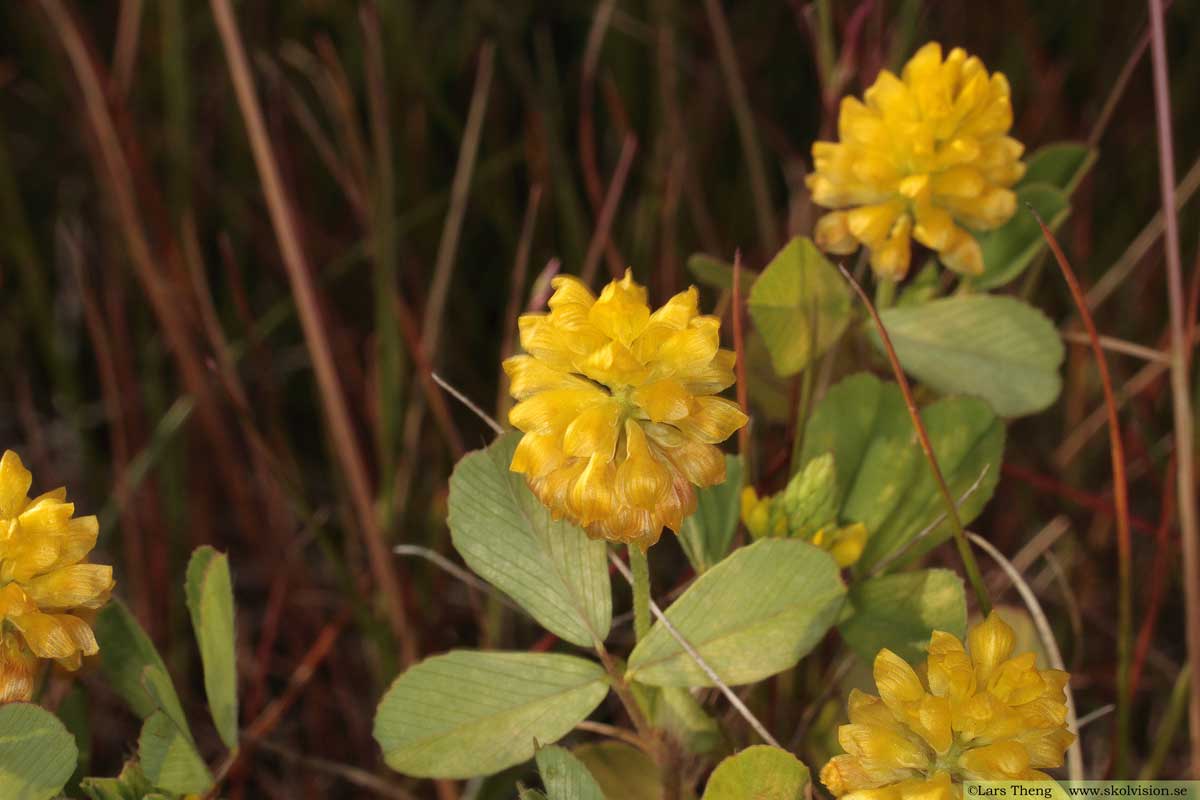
[(900, 612), (997, 348), (565, 777), (551, 569), (132, 665), (706, 534), (758, 773), (717, 273), (1060, 164), (622, 771), (884, 479), (209, 593), (169, 759), (37, 753), (754, 614), (800, 305), (1011, 248), (469, 713)]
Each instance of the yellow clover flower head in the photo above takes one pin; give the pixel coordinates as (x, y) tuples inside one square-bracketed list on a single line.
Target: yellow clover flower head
[(974, 713), (919, 157), (618, 407), (45, 586)]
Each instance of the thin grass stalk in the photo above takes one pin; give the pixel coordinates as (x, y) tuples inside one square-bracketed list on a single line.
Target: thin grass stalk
[(1160, 568), (128, 191), (125, 50), (447, 253), (1121, 498), (388, 347), (1164, 735), (299, 276), (516, 291), (587, 129), (752, 151), (1180, 382), (176, 103), (602, 236), (960, 534), (688, 648)]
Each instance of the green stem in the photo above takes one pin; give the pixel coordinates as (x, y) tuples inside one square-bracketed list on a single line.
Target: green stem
[(641, 591), (1164, 737), (885, 292)]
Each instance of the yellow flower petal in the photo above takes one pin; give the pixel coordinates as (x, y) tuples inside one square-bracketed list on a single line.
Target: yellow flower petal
[(46, 635), (541, 339), (642, 480), (951, 673), (677, 312), (621, 312), (80, 585), (569, 290), (890, 259), (990, 643), (881, 746), (1046, 747), (666, 400), (15, 481), (713, 420), (536, 456), (17, 669), (614, 365), (872, 224), (1000, 761), (691, 348), (898, 684), (528, 376), (833, 234), (848, 544), (594, 432), (593, 496), (550, 412), (711, 378)]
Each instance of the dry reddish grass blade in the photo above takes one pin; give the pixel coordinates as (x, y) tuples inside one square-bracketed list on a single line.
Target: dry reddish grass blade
[(1121, 498), (1158, 588), (273, 713), (1180, 381), (960, 535), (152, 250), (601, 237), (342, 432)]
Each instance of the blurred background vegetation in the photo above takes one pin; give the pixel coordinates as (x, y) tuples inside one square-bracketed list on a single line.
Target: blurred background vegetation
[(438, 158)]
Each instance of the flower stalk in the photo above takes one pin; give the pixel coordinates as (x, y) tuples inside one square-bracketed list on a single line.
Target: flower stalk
[(641, 591)]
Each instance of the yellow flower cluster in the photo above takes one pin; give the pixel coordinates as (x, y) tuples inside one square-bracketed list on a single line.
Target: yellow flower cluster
[(977, 715), (918, 157), (618, 409), (45, 588)]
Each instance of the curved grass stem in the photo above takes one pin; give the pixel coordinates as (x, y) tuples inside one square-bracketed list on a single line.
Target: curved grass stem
[(1121, 500), (960, 536)]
